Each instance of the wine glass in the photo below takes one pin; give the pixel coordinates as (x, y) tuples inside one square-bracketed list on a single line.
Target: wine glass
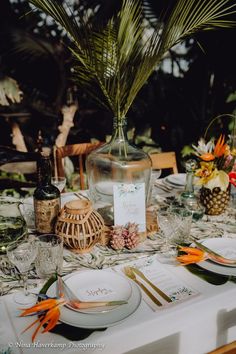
[(59, 182), (22, 253)]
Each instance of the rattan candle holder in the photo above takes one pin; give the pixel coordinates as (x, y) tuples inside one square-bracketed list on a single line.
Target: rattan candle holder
[(79, 225)]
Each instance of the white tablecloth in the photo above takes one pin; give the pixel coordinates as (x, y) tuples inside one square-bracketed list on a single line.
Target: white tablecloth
[(195, 326)]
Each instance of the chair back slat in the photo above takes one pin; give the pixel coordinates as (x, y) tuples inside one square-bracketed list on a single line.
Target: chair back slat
[(80, 150), (164, 160), (229, 348)]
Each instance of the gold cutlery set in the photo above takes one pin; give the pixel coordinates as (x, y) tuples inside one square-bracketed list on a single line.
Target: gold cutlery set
[(135, 274)]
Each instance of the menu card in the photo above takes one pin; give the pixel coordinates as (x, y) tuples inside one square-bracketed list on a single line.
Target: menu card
[(173, 289), (129, 204)]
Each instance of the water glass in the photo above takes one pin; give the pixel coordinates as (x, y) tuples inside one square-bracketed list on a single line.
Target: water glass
[(181, 219), (50, 255)]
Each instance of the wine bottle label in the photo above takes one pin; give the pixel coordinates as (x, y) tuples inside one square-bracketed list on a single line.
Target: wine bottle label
[(46, 212)]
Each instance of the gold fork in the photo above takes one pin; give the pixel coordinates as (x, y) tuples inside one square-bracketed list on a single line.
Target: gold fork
[(129, 273)]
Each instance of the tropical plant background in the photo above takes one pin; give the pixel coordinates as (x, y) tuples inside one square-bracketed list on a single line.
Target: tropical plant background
[(195, 82)]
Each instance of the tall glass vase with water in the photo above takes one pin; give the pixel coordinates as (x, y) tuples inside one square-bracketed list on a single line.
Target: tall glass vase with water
[(113, 163), (12, 222)]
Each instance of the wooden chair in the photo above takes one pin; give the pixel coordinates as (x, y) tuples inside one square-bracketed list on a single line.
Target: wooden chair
[(225, 349), (164, 160), (80, 150)]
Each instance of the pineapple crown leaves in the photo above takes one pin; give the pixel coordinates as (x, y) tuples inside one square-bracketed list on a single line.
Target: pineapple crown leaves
[(113, 63)]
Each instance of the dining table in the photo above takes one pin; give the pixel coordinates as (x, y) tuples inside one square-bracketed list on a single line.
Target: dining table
[(196, 314)]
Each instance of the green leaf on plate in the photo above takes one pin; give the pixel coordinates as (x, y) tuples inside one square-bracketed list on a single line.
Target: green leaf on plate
[(210, 277), (48, 283)]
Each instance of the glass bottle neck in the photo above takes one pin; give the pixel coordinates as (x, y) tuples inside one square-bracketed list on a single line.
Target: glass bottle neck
[(45, 171), (119, 129), (189, 182)]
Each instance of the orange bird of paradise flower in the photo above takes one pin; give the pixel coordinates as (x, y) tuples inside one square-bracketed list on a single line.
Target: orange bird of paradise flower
[(192, 255), (220, 147), (219, 150), (195, 255), (48, 311)]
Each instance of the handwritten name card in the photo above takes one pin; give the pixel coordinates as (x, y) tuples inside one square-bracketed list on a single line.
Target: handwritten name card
[(129, 204)]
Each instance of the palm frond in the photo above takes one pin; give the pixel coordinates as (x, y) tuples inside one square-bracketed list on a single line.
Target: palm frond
[(196, 15), (113, 63), (29, 46)]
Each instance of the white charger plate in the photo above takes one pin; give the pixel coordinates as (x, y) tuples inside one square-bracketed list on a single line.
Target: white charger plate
[(97, 285), (225, 247), (216, 267), (99, 320), (176, 179)]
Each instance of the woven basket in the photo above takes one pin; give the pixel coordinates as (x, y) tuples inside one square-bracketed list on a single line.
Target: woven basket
[(79, 225)]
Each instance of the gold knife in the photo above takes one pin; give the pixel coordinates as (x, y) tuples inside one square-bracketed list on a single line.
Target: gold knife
[(129, 273), (159, 291)]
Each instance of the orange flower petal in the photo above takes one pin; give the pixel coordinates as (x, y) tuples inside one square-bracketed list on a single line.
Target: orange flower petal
[(51, 316), (45, 319), (36, 331), (220, 146), (207, 157), (192, 251), (38, 319), (52, 321), (189, 258), (42, 305)]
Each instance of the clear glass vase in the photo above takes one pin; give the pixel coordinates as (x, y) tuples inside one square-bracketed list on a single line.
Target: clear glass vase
[(115, 162)]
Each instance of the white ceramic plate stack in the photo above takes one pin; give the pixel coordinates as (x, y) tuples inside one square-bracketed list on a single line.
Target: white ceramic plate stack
[(226, 247), (99, 285), (176, 180)]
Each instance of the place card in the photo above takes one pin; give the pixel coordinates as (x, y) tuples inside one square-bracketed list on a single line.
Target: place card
[(129, 204), (170, 289)]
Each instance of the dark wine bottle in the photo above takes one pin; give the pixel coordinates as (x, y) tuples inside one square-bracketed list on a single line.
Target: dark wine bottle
[(46, 198)]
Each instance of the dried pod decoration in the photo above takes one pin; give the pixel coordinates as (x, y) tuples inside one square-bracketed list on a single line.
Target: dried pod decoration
[(124, 236), (131, 237), (117, 241)]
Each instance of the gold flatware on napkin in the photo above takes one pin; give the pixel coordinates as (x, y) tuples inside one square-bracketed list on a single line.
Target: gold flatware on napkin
[(159, 291), (129, 273)]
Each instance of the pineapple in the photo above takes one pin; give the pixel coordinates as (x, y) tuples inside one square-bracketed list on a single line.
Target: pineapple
[(215, 201)]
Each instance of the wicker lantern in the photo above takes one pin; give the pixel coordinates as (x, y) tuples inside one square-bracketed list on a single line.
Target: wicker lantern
[(79, 225)]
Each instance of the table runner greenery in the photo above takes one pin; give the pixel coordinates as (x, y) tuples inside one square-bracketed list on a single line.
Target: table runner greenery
[(103, 256)]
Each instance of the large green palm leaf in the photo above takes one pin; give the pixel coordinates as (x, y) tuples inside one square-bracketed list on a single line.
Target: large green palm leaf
[(114, 63)]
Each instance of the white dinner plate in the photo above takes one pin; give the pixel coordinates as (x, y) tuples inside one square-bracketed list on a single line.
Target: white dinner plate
[(216, 267), (176, 179), (97, 285), (225, 247), (100, 320)]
